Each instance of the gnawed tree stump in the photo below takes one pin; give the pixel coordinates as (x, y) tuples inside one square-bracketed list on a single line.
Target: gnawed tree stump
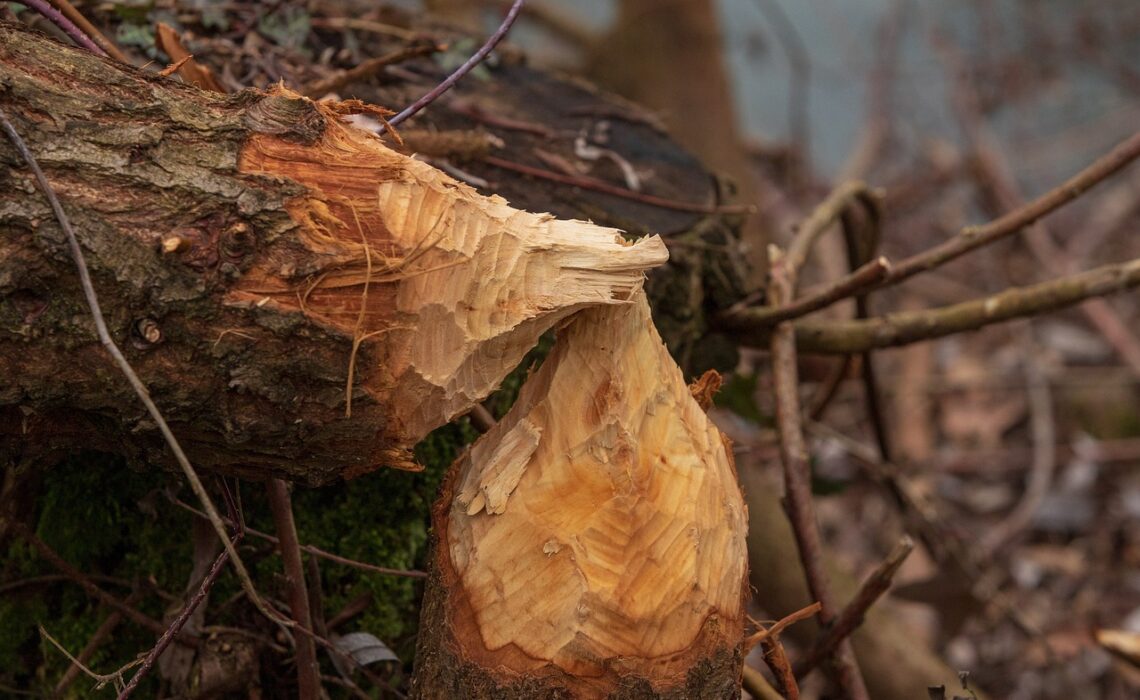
[(592, 544)]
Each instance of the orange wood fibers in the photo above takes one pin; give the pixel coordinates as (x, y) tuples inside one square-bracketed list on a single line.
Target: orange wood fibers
[(443, 290), (598, 530)]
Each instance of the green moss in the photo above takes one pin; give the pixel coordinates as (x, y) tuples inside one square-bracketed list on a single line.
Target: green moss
[(107, 520), (94, 513), (381, 518)]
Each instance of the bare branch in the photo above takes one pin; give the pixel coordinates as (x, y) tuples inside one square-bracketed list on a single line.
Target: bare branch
[(852, 616), (973, 237), (793, 453), (68, 27), (308, 672), (915, 326), (464, 69), (860, 280)]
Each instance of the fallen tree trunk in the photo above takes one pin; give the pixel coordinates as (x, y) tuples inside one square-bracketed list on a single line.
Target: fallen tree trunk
[(301, 300)]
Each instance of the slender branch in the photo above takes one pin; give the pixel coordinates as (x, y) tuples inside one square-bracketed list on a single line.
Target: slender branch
[(774, 654), (861, 235), (101, 634), (861, 279), (797, 472), (915, 326), (129, 612), (67, 26), (179, 622), (464, 69), (90, 30), (308, 672), (132, 378), (974, 237), (590, 183), (317, 88), (995, 176), (101, 679), (318, 552), (851, 616), (777, 660), (827, 213), (777, 629), (971, 238)]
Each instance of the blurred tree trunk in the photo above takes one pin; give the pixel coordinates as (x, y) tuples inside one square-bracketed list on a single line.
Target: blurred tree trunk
[(669, 56)]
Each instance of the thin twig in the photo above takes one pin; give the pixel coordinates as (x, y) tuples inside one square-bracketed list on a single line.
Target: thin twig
[(995, 174), (90, 30), (308, 672), (590, 183), (793, 453), (67, 26), (973, 237), (774, 654), (861, 234), (101, 679), (823, 216), (777, 629), (132, 378), (462, 70), (318, 552), (777, 660), (915, 326), (131, 613), (179, 622), (849, 619), (863, 278), (321, 87), (101, 634)]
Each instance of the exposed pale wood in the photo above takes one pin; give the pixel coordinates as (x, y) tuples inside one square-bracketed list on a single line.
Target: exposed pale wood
[(449, 287), (593, 541)]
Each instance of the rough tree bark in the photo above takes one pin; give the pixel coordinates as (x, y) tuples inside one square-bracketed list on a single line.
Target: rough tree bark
[(305, 302)]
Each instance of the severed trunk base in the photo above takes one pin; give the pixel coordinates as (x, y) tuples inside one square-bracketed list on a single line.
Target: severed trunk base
[(591, 545)]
